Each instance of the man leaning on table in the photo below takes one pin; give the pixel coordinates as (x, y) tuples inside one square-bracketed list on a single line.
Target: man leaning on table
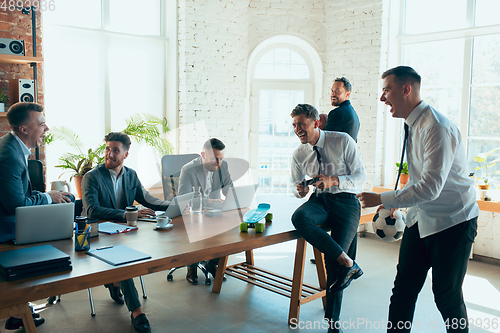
[(28, 130), (441, 222), (107, 190), (334, 159)]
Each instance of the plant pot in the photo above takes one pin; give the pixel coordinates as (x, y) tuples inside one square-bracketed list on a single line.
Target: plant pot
[(403, 179), (78, 185), (483, 192)]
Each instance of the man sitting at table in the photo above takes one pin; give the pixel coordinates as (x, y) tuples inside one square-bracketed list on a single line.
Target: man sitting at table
[(107, 190), (211, 174), (333, 158), (28, 130)]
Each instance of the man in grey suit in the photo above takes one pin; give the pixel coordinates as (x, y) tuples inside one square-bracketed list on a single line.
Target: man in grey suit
[(211, 174), (107, 190), (28, 130)]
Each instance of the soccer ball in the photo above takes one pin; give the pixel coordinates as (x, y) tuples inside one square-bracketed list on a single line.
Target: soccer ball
[(386, 228)]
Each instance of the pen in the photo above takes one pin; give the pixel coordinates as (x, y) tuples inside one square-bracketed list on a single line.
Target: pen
[(104, 247)]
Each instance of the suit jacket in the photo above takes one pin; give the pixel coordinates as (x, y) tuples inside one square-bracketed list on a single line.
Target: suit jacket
[(192, 175), (99, 200), (343, 119), (15, 186)]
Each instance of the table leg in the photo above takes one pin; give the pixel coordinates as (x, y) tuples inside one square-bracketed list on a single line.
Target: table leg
[(320, 269), (28, 322), (219, 275), (298, 275), (249, 257)]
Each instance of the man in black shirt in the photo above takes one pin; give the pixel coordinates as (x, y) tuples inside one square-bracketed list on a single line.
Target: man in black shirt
[(343, 118)]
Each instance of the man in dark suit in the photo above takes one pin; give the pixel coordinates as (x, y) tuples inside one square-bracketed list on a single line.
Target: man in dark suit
[(211, 174), (107, 190), (344, 117), (28, 130)]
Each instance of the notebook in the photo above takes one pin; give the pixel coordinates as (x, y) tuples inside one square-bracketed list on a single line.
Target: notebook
[(44, 223), (118, 255), (112, 228), (33, 261), (239, 197)]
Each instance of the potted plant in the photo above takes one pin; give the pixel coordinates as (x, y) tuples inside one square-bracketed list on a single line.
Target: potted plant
[(142, 128), (3, 98), (403, 179), (482, 159)]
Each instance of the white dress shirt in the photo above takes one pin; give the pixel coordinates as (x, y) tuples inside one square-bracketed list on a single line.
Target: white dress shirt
[(340, 157), (440, 193), (27, 153)]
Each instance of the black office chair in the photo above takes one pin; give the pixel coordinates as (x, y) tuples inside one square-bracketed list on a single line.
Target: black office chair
[(35, 171)]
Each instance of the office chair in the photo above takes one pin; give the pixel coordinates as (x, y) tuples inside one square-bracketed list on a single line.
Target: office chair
[(35, 171), (171, 168)]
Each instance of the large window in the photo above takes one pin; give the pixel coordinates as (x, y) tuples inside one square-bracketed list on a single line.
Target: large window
[(282, 76), (455, 49), (103, 63)]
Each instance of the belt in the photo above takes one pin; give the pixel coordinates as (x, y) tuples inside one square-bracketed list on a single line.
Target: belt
[(341, 195)]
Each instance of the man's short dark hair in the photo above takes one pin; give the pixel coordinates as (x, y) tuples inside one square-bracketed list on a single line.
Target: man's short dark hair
[(119, 136), (19, 113), (403, 75), (308, 110), (347, 84), (213, 143)]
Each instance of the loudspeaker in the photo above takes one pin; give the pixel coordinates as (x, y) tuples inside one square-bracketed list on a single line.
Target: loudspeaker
[(22, 90), (12, 46)]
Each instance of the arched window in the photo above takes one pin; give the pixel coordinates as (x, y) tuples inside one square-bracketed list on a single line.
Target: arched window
[(282, 75)]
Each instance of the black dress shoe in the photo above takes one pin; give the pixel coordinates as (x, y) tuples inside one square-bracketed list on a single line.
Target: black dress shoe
[(313, 261), (115, 293), (192, 276), (212, 269), (15, 323), (345, 276), (140, 323)]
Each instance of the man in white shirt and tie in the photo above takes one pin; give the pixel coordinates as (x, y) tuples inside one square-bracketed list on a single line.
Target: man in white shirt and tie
[(441, 222), (211, 174), (334, 160)]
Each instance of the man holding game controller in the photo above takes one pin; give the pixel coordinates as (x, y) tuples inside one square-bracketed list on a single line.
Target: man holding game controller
[(333, 160), (441, 222)]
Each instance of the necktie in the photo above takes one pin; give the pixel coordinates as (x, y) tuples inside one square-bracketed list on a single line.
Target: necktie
[(208, 183), (318, 156), (402, 155)]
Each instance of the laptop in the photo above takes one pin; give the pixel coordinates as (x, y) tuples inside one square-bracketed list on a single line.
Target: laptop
[(44, 223), (176, 207), (239, 197)]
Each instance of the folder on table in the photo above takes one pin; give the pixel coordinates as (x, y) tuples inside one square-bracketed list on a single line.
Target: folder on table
[(114, 228), (33, 261), (118, 255)]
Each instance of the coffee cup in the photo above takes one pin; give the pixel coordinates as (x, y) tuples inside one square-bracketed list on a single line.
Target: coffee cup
[(131, 214), (163, 221)]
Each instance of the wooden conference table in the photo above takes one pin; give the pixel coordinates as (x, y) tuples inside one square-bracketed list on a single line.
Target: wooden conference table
[(191, 239)]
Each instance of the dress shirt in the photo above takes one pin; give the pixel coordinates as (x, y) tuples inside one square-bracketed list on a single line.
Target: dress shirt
[(27, 153), (440, 193), (341, 158)]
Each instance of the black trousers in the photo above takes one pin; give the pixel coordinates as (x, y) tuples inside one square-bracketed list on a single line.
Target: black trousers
[(341, 212), (447, 252), (130, 294)]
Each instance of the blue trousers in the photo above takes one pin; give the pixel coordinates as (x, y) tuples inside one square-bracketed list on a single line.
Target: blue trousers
[(341, 213)]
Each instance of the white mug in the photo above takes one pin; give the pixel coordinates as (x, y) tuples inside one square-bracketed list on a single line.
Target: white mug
[(58, 185), (163, 221)]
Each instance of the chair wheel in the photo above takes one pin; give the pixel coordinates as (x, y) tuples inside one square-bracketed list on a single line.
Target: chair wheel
[(259, 227), (208, 281), (170, 277)]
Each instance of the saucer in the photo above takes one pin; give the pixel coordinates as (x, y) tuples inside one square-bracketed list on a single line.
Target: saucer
[(168, 226)]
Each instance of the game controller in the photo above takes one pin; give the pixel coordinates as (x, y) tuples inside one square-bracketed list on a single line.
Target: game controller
[(308, 182)]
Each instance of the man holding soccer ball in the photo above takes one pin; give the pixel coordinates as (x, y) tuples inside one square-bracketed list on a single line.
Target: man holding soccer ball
[(441, 222)]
